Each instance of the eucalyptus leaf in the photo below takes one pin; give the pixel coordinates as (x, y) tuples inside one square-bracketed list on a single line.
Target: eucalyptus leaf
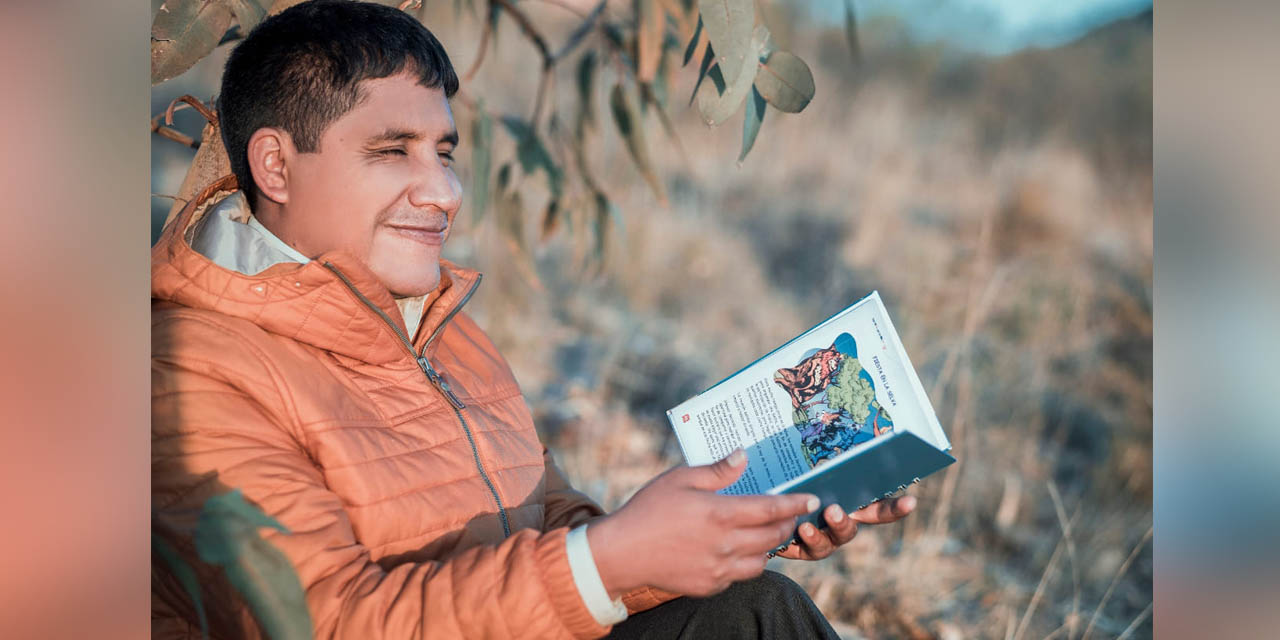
[(494, 12), (650, 95), (649, 27), (851, 32), (661, 86), (625, 116), (550, 219), (614, 34), (670, 40), (184, 31), (604, 211), (227, 536), (185, 575), (717, 79), (504, 178), (716, 110), (586, 96), (580, 33), (729, 24), (785, 81), (481, 160), (751, 123), (693, 43), (510, 212), (708, 59), (248, 14), (533, 155)]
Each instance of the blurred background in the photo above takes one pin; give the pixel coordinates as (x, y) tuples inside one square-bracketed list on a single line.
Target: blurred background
[(985, 164)]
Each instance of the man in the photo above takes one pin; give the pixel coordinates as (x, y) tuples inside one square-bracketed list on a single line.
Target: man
[(310, 350)]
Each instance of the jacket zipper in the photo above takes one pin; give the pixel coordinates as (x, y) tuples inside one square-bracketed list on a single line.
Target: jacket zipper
[(435, 379)]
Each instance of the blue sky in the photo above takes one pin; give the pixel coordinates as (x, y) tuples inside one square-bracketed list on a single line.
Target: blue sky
[(992, 26)]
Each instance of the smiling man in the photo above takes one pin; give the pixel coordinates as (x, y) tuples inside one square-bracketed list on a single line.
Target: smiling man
[(310, 350), (379, 183)]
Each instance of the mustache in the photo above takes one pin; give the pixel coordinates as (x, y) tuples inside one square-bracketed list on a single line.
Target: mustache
[(437, 221)]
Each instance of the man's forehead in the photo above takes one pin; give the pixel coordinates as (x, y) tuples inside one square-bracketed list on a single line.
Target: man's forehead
[(400, 108)]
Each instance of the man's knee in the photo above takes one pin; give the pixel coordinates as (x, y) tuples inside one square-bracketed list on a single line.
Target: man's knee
[(771, 606), (772, 587)]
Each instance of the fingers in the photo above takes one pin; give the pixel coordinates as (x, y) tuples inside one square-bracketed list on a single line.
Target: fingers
[(840, 527), (756, 541), (816, 542), (719, 474), (742, 511), (885, 512)]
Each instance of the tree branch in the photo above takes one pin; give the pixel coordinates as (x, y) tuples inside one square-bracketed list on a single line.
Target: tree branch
[(567, 7), (526, 26), (489, 17), (647, 94), (195, 103), (175, 135), (580, 33), (543, 84), (167, 118)]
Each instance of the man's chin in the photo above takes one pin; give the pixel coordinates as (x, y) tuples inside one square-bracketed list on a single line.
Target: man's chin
[(414, 286)]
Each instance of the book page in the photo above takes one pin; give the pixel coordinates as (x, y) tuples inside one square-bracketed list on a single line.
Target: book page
[(752, 418), (836, 387)]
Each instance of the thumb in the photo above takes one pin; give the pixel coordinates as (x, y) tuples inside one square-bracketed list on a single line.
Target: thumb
[(719, 474)]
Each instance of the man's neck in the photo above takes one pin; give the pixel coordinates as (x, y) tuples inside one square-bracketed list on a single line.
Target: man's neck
[(270, 219), (266, 219)]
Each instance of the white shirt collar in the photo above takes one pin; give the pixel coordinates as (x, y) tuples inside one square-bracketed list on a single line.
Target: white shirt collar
[(234, 239)]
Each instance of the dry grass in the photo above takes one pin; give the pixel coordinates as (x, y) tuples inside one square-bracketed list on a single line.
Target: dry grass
[(1016, 260)]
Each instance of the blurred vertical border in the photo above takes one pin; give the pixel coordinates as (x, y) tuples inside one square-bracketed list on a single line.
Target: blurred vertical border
[(1217, 314), (74, 180)]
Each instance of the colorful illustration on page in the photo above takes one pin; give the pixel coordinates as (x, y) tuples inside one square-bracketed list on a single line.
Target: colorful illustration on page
[(833, 401)]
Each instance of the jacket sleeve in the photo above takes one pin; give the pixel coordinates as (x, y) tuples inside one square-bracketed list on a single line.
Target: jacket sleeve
[(568, 507), (214, 428), (564, 505)]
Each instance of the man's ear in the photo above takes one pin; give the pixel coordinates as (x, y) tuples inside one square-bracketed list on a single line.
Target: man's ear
[(270, 151)]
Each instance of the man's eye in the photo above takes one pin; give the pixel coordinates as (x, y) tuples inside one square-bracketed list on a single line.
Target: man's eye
[(394, 151), (447, 156)]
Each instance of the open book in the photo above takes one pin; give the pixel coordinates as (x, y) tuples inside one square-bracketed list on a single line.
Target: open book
[(837, 411)]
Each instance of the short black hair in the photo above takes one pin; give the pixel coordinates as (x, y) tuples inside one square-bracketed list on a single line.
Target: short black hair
[(300, 70)]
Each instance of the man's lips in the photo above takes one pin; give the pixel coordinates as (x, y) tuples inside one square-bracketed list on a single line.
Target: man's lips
[(428, 234)]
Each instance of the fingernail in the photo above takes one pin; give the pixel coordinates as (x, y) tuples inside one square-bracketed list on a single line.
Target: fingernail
[(813, 504), (737, 457), (836, 513), (908, 503), (807, 529)]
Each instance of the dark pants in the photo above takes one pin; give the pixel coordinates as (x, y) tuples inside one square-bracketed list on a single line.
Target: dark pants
[(770, 606)]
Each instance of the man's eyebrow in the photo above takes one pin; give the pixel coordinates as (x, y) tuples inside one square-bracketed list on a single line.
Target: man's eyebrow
[(405, 135), (393, 135)]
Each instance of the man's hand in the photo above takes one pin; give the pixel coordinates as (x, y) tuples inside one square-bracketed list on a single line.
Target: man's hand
[(678, 535), (841, 528)]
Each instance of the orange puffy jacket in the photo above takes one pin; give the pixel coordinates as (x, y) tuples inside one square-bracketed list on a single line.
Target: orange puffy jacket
[(420, 500)]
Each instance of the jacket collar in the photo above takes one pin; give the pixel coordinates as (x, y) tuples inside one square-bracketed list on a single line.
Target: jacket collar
[(333, 302)]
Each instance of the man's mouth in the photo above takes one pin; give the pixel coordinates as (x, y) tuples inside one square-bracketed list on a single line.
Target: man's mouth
[(429, 234)]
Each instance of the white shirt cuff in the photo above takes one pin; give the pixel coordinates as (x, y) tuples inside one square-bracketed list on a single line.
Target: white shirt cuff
[(587, 578)]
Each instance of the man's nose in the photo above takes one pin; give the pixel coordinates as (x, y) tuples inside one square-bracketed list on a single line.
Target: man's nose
[(435, 185)]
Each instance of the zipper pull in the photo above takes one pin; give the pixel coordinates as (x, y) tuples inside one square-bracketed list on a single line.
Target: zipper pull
[(439, 382), (426, 367)]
